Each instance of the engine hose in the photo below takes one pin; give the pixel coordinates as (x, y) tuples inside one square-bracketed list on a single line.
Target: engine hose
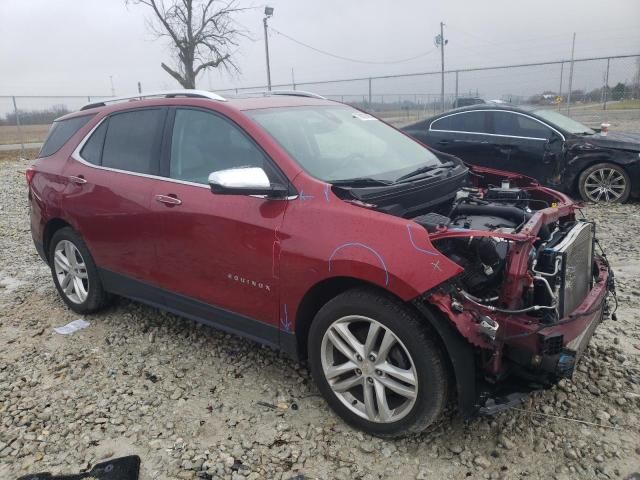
[(491, 308)]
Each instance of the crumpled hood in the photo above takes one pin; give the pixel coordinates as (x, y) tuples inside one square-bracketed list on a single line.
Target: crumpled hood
[(618, 140)]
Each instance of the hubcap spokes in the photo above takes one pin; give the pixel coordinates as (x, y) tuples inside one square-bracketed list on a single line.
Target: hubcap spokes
[(369, 369), (605, 184), (71, 271)]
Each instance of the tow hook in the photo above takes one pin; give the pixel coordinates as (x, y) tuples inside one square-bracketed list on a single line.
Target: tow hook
[(488, 326)]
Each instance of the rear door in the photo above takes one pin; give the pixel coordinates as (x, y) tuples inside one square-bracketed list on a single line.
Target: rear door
[(464, 135), (217, 252), (111, 177), (525, 145)]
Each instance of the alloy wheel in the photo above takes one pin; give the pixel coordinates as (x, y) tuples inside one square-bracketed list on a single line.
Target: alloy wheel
[(71, 271), (605, 184), (369, 369)]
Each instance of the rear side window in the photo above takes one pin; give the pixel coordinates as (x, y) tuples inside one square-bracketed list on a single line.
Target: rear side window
[(132, 141), (474, 122), (60, 132), (92, 150)]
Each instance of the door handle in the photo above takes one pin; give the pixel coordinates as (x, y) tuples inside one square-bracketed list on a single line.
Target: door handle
[(78, 180), (443, 142), (169, 200)]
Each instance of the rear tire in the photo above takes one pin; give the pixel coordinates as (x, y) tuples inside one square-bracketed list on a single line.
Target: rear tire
[(377, 364), (604, 183), (75, 274)]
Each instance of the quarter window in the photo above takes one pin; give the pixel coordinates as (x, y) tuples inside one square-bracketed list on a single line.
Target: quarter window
[(92, 150), (131, 141), (61, 131), (474, 122), (203, 143), (512, 124)]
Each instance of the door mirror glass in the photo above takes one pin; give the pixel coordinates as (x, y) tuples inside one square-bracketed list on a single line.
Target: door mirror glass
[(245, 181)]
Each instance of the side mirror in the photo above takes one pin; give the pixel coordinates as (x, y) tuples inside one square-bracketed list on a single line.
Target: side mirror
[(245, 181)]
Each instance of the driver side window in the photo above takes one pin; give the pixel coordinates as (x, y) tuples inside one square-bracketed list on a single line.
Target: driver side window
[(203, 142), (515, 125)]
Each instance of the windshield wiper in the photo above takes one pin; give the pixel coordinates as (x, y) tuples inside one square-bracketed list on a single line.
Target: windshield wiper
[(424, 169), (360, 182)]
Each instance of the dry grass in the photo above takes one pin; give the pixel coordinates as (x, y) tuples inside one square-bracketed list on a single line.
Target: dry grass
[(16, 155), (30, 134), (624, 105)]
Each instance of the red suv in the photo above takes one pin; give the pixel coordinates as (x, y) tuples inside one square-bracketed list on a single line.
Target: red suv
[(403, 277)]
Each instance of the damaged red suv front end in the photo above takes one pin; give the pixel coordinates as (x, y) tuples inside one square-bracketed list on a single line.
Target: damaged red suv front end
[(529, 298)]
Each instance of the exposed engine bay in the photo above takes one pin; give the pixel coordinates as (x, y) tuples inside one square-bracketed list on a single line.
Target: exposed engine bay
[(503, 211), (458, 204), (519, 277)]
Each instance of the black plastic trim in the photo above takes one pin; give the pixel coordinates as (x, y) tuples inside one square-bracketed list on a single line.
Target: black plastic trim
[(198, 311), (462, 359), (40, 249)]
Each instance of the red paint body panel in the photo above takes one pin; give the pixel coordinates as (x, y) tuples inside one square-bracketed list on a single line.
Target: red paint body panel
[(218, 249), (112, 213)]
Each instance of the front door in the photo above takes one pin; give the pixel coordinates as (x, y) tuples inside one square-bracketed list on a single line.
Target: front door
[(526, 145), (217, 252)]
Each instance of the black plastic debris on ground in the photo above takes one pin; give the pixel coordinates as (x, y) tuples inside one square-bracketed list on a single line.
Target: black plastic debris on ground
[(123, 468)]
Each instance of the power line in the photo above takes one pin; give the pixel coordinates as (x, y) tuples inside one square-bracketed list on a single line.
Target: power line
[(324, 52)]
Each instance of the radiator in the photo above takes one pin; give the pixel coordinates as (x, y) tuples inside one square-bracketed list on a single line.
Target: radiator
[(576, 274)]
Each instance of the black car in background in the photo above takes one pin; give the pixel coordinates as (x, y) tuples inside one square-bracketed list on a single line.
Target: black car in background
[(556, 150)]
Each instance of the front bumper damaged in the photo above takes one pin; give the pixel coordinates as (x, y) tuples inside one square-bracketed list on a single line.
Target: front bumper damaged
[(522, 355)]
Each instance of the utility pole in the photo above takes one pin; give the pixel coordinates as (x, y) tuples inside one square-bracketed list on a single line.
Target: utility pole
[(456, 85), (293, 79), (268, 12), (560, 90), (441, 42), (573, 47), (605, 90), (113, 90)]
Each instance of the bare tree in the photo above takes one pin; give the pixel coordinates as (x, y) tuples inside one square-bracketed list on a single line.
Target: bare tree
[(202, 32)]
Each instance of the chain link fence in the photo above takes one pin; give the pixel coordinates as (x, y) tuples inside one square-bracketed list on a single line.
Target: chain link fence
[(591, 90)]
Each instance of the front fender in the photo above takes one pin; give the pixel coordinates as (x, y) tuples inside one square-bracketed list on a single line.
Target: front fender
[(323, 237)]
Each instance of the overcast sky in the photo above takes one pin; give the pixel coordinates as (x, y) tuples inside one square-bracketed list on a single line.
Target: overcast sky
[(71, 47)]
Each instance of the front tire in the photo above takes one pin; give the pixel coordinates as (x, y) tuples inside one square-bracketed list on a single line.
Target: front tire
[(377, 364), (604, 182), (75, 274)]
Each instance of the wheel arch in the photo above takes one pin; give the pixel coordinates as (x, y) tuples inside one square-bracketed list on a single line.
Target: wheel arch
[(51, 227), (313, 300), (460, 356), (585, 162)]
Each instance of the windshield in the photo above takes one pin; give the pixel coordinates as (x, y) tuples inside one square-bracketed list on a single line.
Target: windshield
[(340, 143), (565, 123)]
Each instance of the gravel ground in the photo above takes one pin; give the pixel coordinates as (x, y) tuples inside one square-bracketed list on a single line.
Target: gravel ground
[(185, 397)]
